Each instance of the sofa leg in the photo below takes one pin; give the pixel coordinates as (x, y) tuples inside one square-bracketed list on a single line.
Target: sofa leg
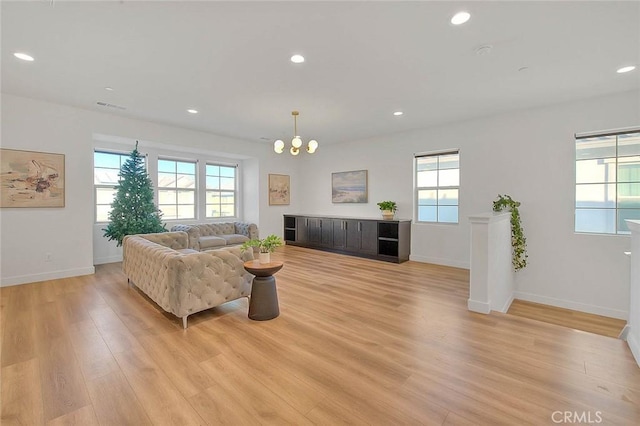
[(184, 322)]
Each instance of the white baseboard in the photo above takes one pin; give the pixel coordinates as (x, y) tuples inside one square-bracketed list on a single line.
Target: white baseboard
[(624, 333), (634, 345), (24, 279), (507, 305), (576, 306), (476, 306), (111, 259), (440, 261)]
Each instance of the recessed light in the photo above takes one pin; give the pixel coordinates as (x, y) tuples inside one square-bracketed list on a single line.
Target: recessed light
[(192, 111), (460, 18), (23, 56), (398, 113), (626, 69), (297, 59), (109, 89)]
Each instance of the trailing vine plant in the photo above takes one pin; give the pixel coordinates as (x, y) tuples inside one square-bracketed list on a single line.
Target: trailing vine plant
[(518, 241)]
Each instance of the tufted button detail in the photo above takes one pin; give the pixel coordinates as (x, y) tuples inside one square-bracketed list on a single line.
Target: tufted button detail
[(184, 283)]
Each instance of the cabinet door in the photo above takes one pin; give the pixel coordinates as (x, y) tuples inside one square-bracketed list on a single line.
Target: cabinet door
[(313, 231), (326, 232), (301, 229), (369, 236), (338, 233), (352, 242)]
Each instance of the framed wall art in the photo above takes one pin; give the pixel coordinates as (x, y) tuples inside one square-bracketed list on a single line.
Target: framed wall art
[(279, 190), (31, 179), (349, 187)]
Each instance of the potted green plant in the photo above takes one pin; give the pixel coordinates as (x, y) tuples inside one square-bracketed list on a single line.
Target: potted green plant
[(388, 209), (266, 246)]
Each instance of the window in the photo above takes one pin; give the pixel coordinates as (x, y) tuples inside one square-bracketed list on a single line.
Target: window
[(177, 189), (106, 168), (607, 182), (437, 186), (221, 191)]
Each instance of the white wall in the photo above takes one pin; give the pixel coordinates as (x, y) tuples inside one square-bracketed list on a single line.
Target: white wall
[(27, 235), (527, 154), (632, 330)]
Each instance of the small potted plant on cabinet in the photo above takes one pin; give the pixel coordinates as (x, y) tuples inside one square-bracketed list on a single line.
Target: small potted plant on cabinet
[(265, 246), (388, 209)]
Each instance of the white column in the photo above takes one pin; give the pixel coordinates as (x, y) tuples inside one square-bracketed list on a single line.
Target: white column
[(632, 329), (492, 278)]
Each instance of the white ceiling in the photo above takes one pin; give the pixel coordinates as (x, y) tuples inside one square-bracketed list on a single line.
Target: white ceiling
[(364, 60)]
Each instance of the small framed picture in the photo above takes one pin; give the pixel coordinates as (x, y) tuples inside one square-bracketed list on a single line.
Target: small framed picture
[(279, 190)]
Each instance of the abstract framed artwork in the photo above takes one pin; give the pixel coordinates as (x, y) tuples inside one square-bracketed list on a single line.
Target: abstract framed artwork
[(279, 190), (349, 187), (31, 179)]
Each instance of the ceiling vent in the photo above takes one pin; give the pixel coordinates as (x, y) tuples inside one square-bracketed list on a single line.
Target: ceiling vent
[(108, 105), (484, 50)]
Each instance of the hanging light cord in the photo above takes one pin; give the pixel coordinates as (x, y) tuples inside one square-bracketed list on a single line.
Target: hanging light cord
[(295, 123)]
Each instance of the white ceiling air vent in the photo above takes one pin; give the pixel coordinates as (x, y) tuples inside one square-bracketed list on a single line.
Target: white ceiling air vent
[(108, 105), (484, 50)]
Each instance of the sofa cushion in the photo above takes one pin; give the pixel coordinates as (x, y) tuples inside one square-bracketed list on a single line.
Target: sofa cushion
[(235, 238), (212, 241), (218, 229)]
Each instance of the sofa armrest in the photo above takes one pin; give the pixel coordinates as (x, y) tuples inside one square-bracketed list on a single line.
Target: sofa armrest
[(248, 229), (145, 264), (206, 279), (193, 232)]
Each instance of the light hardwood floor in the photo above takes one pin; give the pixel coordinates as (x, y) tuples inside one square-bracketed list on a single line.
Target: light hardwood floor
[(598, 324), (357, 342)]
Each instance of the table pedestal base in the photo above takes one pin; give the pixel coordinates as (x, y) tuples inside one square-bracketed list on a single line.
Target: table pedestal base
[(264, 299)]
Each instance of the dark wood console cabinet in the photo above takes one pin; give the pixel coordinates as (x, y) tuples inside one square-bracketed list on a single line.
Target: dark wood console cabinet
[(388, 240)]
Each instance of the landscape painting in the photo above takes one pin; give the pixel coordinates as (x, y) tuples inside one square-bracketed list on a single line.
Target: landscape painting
[(279, 190), (31, 179), (349, 187)]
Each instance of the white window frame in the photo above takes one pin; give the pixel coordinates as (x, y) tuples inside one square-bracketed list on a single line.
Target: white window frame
[(437, 187), (617, 133), (123, 157), (234, 191), (194, 190)]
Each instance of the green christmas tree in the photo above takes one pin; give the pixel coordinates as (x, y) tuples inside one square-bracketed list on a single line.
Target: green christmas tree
[(132, 210)]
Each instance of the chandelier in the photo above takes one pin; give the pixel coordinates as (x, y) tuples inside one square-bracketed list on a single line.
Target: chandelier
[(296, 142)]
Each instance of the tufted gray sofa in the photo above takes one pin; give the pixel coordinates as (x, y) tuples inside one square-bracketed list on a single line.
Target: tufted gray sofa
[(212, 236), (181, 280)]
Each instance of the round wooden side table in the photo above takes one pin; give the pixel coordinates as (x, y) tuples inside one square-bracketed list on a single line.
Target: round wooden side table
[(263, 304)]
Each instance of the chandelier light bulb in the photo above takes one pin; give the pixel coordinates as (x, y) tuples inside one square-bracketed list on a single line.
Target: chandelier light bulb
[(296, 142), (312, 146), (294, 151), (278, 146)]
